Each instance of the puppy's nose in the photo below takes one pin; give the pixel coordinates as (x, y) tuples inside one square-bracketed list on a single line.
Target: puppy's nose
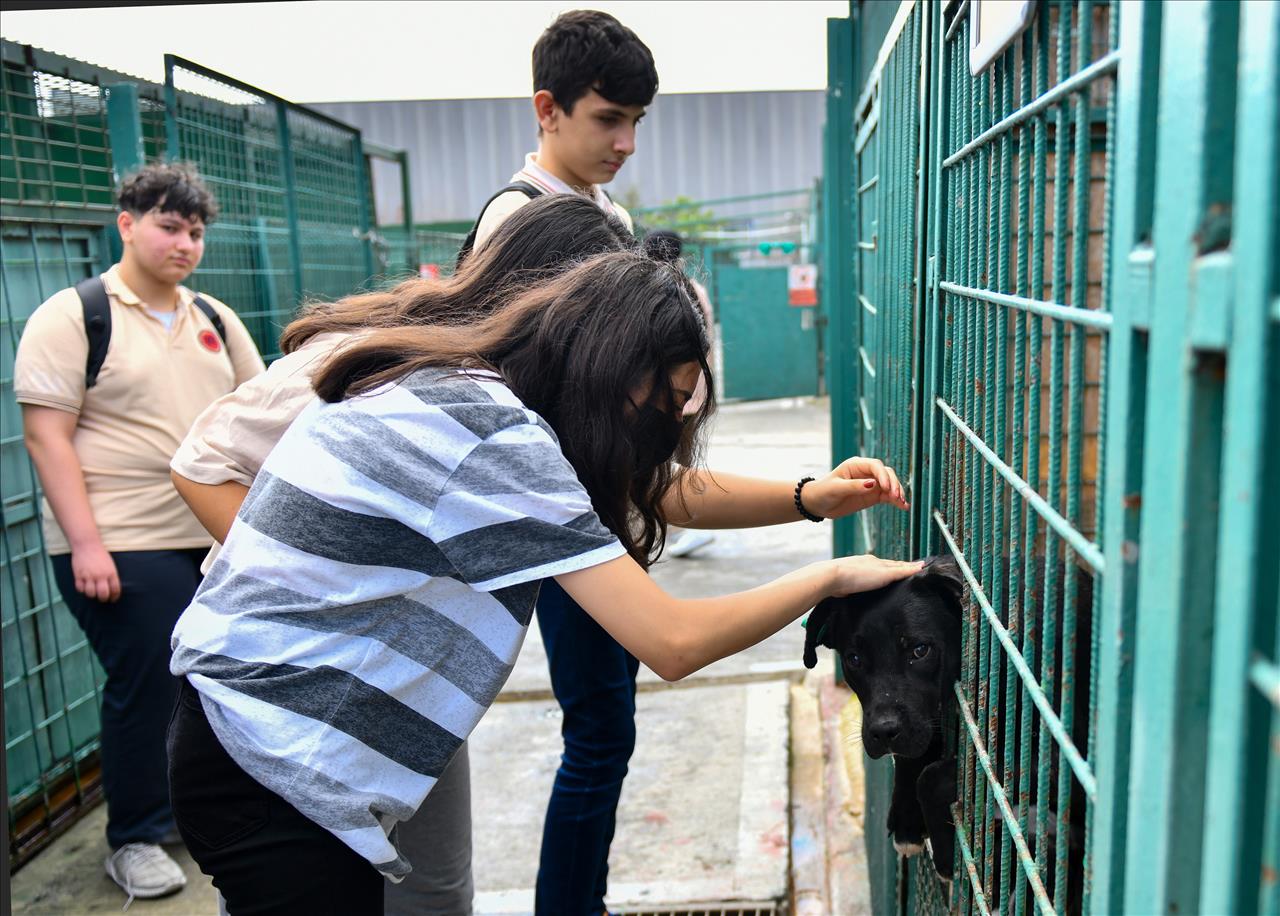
[(886, 728)]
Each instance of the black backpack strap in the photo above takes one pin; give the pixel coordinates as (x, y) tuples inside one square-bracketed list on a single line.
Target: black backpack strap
[(97, 325), (524, 187), (214, 319)]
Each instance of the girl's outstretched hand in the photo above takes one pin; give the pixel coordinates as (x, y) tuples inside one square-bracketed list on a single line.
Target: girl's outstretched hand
[(857, 484), (865, 573)]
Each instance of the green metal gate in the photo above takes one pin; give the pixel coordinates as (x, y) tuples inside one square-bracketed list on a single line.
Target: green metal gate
[(770, 348), (740, 248), (52, 682), (1056, 307), (292, 185), (55, 188), (294, 193)]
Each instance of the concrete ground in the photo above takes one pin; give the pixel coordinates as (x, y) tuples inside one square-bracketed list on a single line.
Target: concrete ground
[(745, 787)]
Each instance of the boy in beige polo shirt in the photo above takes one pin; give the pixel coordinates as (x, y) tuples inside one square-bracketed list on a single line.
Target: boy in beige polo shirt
[(125, 549)]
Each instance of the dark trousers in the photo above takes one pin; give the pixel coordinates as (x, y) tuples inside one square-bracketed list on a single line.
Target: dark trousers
[(131, 640), (594, 679), (263, 855), (437, 843)]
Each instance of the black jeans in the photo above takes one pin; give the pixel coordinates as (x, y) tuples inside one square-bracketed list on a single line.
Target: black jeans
[(263, 855), (131, 640)]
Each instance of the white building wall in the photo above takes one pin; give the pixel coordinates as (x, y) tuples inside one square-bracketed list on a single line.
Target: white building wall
[(700, 146)]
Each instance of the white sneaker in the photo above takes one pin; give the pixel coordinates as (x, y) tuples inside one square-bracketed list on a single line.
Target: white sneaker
[(144, 870), (690, 541)]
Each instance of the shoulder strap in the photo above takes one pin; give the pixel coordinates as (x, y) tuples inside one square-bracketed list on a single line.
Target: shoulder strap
[(97, 325), (214, 318), (524, 187)]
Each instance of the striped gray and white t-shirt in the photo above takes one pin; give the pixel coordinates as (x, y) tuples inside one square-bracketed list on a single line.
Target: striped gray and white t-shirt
[(374, 591)]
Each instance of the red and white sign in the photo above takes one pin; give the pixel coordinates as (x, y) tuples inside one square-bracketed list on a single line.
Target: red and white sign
[(429, 271), (802, 284)]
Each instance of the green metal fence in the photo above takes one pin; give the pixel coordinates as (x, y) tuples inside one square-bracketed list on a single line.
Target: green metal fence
[(1056, 307), (296, 221), (741, 248), (55, 186), (293, 188)]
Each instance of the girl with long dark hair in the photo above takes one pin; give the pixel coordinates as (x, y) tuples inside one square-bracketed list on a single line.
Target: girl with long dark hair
[(225, 448), (376, 585)]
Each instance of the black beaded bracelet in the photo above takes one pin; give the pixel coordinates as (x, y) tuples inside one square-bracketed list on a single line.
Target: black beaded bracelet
[(800, 506)]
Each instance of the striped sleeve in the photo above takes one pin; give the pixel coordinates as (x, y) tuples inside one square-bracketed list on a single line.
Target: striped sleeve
[(513, 511)]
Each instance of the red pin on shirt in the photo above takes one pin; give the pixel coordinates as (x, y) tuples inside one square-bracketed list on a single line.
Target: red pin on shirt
[(209, 340)]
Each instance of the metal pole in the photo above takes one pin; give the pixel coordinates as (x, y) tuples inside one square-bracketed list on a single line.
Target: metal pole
[(290, 198)]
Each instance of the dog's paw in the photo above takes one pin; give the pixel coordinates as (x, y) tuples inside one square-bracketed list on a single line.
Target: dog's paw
[(907, 848), (943, 865), (936, 791)]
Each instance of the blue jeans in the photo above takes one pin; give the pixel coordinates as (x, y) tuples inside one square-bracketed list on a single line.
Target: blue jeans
[(594, 679)]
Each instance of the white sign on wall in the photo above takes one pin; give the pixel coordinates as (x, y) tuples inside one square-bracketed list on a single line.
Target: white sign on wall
[(994, 24), (802, 284)]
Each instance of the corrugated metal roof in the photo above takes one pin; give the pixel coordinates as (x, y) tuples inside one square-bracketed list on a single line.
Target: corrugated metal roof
[(699, 145)]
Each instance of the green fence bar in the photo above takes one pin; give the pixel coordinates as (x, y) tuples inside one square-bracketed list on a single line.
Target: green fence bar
[(1240, 865), (1021, 658), (836, 276), (52, 684), (1059, 95), (124, 124), (1180, 478), (293, 185), (1128, 357), (290, 200)]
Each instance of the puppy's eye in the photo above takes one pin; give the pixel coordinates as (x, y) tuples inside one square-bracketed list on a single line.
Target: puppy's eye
[(920, 651), (854, 660)]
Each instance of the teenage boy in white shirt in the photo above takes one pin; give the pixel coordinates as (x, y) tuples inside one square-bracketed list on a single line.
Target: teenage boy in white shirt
[(592, 80)]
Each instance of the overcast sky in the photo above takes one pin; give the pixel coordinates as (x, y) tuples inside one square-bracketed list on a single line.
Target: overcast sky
[(323, 50)]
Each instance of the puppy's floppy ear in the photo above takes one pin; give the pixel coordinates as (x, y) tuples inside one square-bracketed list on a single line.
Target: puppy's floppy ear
[(942, 573), (818, 629)]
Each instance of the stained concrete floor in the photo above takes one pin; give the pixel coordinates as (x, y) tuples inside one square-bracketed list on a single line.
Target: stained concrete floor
[(704, 813)]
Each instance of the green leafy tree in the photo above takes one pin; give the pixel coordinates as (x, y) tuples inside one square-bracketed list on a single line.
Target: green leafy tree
[(682, 215)]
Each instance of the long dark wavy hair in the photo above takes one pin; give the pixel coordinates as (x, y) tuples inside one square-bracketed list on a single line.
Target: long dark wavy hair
[(576, 349), (547, 235)]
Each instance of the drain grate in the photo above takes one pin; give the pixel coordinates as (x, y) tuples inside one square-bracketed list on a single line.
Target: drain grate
[(739, 908)]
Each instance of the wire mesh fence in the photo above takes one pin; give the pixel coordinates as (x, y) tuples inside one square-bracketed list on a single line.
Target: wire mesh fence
[(1057, 311), (293, 188)]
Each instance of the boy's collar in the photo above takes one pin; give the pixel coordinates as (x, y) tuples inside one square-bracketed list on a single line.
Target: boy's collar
[(551, 184), (116, 286)]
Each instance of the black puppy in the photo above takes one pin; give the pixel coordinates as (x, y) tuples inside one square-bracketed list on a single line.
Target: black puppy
[(900, 649)]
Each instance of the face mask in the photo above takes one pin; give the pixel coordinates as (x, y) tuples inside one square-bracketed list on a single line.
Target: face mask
[(655, 437)]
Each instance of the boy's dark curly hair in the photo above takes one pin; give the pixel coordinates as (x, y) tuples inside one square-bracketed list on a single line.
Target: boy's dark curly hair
[(586, 49), (170, 187)]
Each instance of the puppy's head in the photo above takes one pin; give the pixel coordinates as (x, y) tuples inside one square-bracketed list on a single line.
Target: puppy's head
[(900, 650)]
